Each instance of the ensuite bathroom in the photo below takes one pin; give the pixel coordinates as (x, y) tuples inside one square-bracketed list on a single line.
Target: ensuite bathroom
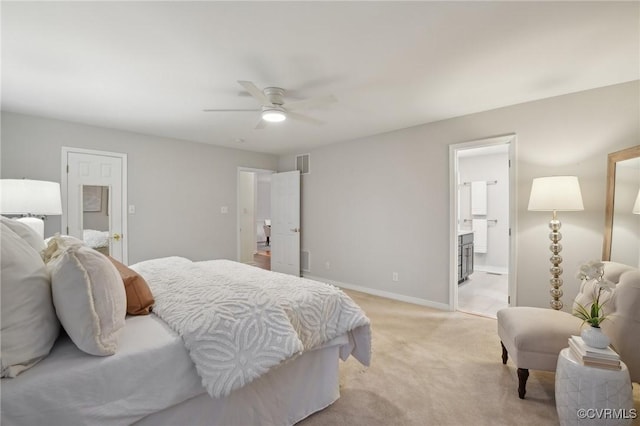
[(483, 229)]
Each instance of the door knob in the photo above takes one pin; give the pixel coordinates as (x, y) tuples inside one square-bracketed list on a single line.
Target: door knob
[(117, 237), (295, 229)]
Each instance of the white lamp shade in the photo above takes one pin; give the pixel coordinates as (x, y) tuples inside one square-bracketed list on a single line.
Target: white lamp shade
[(26, 196), (560, 193), (636, 206)]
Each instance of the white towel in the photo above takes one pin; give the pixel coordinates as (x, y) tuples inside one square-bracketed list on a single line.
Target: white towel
[(479, 235), (479, 197)]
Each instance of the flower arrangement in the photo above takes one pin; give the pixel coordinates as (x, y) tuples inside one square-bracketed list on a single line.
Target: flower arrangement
[(594, 313)]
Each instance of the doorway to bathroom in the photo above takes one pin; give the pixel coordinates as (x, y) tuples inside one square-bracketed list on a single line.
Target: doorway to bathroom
[(483, 206)]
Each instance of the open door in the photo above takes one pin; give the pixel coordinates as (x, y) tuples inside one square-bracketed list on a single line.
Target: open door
[(285, 222), (491, 162)]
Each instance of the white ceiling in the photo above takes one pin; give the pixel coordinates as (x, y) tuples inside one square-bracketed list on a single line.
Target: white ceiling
[(151, 67)]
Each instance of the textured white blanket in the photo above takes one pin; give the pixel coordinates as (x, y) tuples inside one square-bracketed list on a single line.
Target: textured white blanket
[(238, 321)]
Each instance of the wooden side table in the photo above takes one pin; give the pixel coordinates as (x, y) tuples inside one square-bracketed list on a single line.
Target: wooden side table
[(590, 395)]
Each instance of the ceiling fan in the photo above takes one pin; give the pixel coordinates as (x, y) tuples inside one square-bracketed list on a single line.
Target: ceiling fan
[(273, 107)]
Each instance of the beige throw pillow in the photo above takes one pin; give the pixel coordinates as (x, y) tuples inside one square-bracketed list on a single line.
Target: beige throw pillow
[(89, 299), (57, 245), (29, 323)]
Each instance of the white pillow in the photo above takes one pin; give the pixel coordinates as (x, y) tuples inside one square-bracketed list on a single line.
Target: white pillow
[(89, 298), (29, 323), (25, 232)]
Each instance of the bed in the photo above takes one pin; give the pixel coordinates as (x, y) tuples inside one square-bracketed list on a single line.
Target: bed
[(259, 348)]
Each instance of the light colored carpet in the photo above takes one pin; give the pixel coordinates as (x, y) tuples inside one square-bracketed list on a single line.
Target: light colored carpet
[(431, 367)]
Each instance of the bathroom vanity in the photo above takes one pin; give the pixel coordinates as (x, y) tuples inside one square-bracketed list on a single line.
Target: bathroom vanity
[(465, 255)]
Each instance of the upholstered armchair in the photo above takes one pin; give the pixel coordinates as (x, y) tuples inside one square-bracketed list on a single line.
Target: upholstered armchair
[(534, 337)]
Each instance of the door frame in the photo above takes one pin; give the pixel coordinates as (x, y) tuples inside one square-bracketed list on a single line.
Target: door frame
[(511, 140), (63, 189), (238, 213)]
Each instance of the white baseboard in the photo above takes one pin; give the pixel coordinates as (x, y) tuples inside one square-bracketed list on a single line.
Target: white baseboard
[(382, 293)]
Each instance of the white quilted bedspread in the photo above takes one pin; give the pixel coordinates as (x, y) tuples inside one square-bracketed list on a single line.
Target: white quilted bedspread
[(238, 321)]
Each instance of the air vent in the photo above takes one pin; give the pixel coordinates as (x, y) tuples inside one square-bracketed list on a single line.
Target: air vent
[(302, 164), (305, 260)]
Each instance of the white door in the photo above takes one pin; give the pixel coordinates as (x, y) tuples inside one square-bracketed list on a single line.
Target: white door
[(285, 222), (94, 199)]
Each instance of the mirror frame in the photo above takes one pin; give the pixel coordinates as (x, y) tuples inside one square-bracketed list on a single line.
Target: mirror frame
[(613, 159)]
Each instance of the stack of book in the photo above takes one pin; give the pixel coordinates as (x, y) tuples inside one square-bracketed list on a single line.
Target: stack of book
[(593, 357)]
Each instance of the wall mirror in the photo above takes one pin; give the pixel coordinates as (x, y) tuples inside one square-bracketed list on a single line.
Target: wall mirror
[(95, 217), (622, 225)]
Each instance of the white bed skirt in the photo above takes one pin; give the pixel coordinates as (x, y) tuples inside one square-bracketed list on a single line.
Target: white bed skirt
[(152, 381), (283, 396)]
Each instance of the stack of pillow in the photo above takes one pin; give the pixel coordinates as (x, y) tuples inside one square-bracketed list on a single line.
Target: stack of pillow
[(61, 283), (29, 323)]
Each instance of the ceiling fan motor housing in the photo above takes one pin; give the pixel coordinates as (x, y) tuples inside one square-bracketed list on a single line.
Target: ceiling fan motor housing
[(275, 95)]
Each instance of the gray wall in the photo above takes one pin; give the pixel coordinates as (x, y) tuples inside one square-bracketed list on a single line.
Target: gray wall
[(380, 204), (177, 187)]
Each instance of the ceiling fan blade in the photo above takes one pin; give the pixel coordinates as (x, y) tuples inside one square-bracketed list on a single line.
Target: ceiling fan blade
[(230, 110), (304, 118), (310, 103), (255, 92), (261, 124)]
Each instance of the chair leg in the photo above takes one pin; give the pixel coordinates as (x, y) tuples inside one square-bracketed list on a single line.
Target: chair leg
[(505, 354), (523, 375)]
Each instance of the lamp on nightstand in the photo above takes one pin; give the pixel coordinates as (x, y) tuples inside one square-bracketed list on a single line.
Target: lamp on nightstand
[(34, 199), (555, 193)]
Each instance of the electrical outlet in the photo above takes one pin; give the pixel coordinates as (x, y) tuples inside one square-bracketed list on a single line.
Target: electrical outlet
[(394, 276)]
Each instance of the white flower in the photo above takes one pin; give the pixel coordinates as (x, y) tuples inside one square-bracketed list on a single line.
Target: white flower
[(593, 269), (606, 285)]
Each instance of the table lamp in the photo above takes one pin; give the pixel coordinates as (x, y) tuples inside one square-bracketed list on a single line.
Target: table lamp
[(555, 193), (34, 199)]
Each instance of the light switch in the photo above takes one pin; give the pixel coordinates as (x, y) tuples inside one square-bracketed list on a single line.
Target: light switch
[(132, 209), (224, 209)]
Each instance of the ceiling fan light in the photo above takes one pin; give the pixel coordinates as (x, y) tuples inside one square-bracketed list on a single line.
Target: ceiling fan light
[(273, 115)]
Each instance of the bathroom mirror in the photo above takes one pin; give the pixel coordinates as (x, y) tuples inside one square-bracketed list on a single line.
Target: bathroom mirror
[(95, 217), (622, 226)]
